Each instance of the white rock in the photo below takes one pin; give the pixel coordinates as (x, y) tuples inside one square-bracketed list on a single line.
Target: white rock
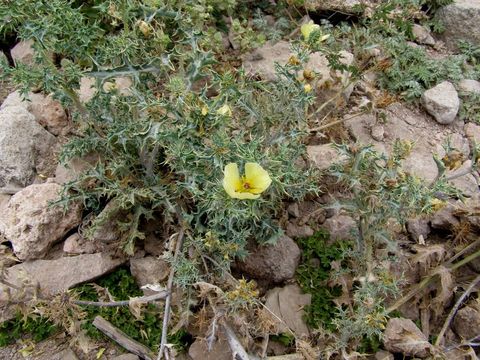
[(23, 52), (403, 336), (422, 35), (32, 225), (288, 303), (469, 86), (57, 276), (324, 156), (87, 90), (461, 19), (48, 112), (24, 147), (442, 102)]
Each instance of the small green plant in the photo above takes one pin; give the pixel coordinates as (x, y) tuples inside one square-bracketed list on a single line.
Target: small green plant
[(32, 326), (314, 273), (121, 286), (470, 108)]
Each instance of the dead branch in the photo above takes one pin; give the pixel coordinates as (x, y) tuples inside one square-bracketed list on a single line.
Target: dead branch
[(168, 301), (145, 299), (122, 339), (238, 351), (454, 310)]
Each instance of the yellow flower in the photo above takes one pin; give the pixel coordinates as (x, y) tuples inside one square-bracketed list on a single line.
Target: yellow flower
[(308, 28), (225, 110), (307, 88), (250, 186)]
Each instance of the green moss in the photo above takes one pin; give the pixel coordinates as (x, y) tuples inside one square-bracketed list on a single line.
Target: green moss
[(34, 327), (121, 285), (313, 274)]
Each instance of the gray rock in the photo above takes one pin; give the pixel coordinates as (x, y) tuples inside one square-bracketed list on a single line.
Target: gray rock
[(442, 102), (469, 86), (32, 225), (324, 156), (403, 336), (23, 53), (287, 303), (298, 231), (340, 227), (149, 270), (293, 210), (467, 322), (418, 228), (75, 244), (422, 35), (25, 148), (444, 219), (466, 183), (275, 263), (48, 112), (56, 276), (346, 6), (461, 19)]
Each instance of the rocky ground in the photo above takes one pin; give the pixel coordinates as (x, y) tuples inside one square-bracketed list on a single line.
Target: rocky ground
[(44, 245)]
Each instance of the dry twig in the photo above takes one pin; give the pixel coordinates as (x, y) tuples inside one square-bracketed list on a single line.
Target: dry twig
[(122, 339), (168, 301), (145, 299)]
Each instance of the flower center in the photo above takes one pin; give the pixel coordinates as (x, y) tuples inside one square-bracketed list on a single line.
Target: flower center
[(246, 185)]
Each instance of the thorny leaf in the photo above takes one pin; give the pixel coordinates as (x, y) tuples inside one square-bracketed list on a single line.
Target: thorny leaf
[(135, 307)]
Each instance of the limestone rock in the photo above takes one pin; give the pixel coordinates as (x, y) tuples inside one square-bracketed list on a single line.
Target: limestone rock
[(32, 225), (24, 147), (288, 303), (75, 244), (48, 112), (472, 131), (469, 86), (422, 35), (23, 52), (149, 270), (126, 357), (324, 156), (87, 90), (403, 336), (344, 6), (340, 227), (275, 263), (461, 19), (467, 322), (56, 276), (442, 102)]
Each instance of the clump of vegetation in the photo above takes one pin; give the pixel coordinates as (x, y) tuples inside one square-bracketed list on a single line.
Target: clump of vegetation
[(35, 327), (314, 274), (120, 285)]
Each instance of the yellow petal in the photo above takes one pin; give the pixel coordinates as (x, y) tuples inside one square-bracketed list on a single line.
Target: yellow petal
[(257, 177), (308, 28), (225, 110), (231, 179), (245, 195)]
